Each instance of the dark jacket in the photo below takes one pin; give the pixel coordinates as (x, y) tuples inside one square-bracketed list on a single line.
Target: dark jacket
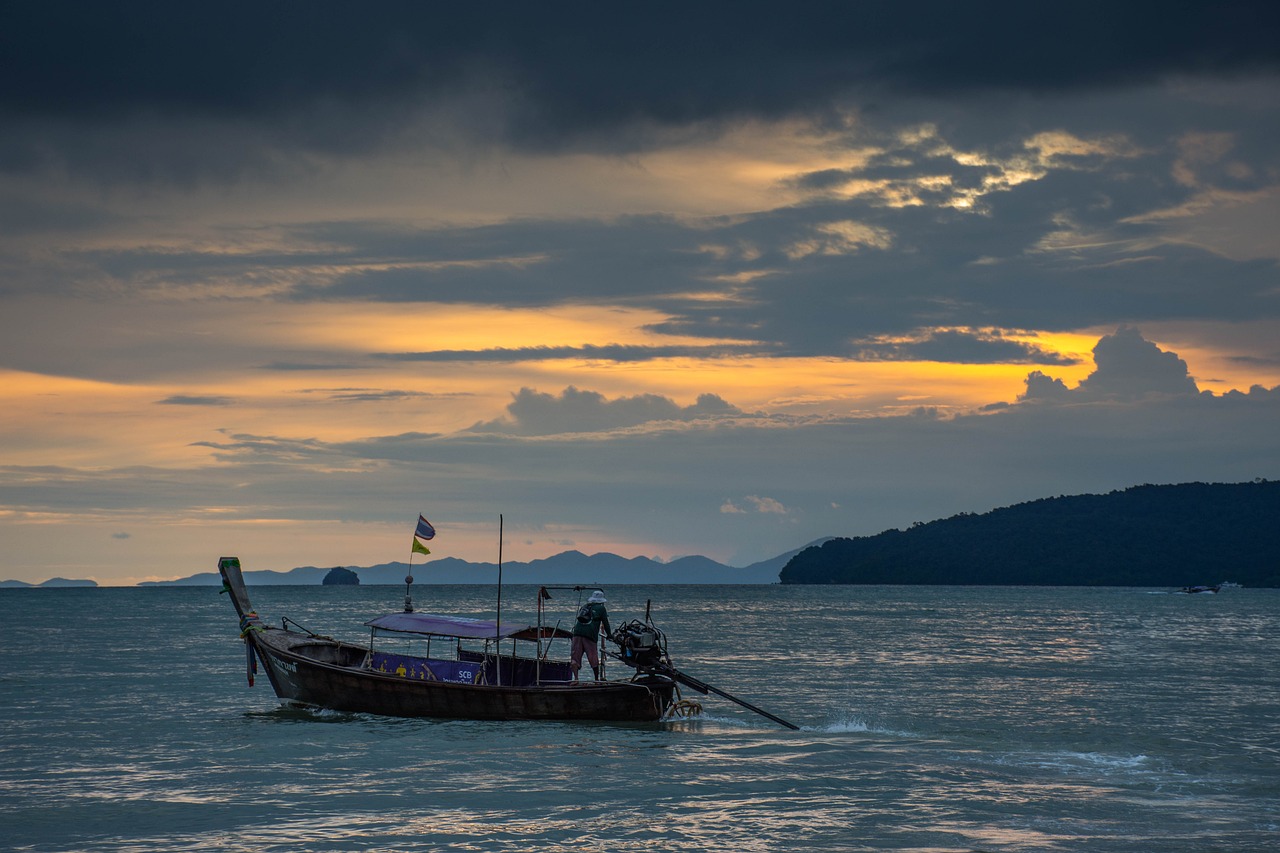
[(599, 616)]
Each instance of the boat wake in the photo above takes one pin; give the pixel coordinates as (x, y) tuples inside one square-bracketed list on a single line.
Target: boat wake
[(858, 725), (303, 713), (1118, 768), (847, 727)]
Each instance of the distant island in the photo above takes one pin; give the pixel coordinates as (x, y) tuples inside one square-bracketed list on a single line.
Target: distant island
[(1167, 536), (338, 576), (1163, 536), (566, 567), (51, 582)]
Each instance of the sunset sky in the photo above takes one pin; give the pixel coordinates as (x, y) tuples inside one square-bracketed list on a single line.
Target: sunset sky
[(655, 279)]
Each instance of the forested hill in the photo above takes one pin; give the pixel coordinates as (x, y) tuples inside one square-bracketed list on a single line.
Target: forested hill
[(1195, 533)]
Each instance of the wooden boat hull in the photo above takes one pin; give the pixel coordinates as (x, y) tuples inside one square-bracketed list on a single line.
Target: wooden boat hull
[(326, 674)]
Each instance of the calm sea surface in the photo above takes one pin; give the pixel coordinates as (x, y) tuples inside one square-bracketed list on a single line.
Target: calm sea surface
[(933, 719)]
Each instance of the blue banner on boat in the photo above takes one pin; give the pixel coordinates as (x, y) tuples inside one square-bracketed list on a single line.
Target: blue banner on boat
[(425, 530), (418, 669)]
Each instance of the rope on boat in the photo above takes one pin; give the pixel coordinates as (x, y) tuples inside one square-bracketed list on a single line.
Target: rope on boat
[(250, 622)]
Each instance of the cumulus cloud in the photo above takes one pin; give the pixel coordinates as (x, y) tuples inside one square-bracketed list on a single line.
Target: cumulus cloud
[(1041, 386), (755, 503), (769, 505), (1128, 367), (535, 413), (1255, 392)]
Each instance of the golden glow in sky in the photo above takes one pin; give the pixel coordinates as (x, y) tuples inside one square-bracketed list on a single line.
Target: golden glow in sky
[(286, 330)]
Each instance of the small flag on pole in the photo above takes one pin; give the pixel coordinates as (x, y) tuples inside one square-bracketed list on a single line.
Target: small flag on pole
[(419, 548), (425, 530)]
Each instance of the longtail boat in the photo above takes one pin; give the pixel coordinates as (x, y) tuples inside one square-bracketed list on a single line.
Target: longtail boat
[(463, 673), (469, 676)]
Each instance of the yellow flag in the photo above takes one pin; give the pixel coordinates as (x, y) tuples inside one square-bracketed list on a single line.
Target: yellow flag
[(419, 548)]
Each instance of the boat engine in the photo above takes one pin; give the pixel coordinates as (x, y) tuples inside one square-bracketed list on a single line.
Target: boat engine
[(641, 644)]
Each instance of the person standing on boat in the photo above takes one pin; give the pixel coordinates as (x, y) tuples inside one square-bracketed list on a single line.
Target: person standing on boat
[(586, 630)]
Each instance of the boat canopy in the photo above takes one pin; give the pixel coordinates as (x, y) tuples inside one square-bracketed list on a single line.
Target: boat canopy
[(459, 626)]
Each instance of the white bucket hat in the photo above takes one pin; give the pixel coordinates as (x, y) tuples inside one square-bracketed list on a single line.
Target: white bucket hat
[(597, 597)]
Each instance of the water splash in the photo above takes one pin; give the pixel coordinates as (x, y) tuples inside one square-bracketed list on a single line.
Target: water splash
[(853, 724)]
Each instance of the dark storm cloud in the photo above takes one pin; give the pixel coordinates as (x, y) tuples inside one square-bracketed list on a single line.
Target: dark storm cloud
[(946, 346), (960, 348), (1067, 249), (954, 269), (1073, 247), (579, 71), (802, 291), (524, 263)]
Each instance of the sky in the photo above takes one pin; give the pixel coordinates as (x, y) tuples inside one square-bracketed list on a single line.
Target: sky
[(658, 279)]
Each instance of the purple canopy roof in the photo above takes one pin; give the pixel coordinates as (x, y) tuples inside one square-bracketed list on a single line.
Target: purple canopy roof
[(456, 626)]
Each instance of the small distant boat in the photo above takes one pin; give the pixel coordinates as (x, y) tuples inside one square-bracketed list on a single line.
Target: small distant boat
[(467, 670), (1193, 590)]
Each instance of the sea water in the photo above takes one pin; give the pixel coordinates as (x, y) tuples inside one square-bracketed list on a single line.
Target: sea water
[(931, 719)]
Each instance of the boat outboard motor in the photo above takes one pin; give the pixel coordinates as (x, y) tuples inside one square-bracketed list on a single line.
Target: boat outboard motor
[(639, 643), (644, 646)]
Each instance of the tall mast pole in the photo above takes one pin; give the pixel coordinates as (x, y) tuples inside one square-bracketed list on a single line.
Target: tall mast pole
[(499, 570), (498, 630)]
